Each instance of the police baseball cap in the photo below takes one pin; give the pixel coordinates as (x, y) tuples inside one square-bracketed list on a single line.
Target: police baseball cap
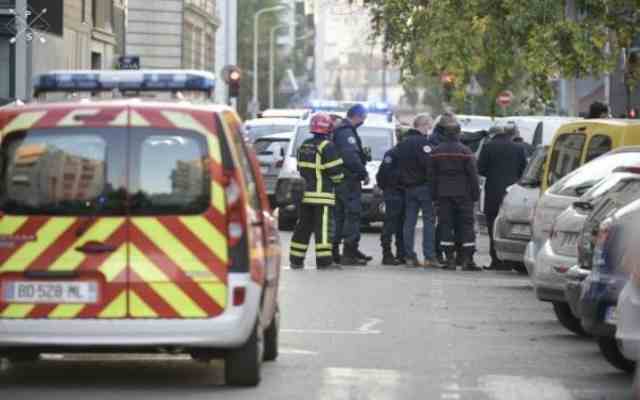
[(357, 110)]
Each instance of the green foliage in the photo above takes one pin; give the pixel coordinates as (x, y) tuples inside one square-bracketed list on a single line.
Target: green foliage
[(508, 44)]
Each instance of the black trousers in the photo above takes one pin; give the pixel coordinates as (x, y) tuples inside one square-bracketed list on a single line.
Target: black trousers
[(317, 220), (491, 219), (393, 221), (456, 220)]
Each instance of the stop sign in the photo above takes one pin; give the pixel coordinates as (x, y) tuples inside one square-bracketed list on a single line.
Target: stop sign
[(504, 98)]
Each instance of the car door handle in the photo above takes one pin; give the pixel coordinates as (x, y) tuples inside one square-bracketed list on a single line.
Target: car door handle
[(93, 247)]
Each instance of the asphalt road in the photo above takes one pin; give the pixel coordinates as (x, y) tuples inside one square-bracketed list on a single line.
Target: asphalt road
[(368, 333)]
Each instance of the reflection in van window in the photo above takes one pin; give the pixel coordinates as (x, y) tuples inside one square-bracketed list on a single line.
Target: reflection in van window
[(598, 145), (169, 174), (63, 172), (565, 156), (532, 175), (579, 181)]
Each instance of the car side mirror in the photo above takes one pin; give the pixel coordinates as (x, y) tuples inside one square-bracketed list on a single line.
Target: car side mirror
[(584, 206), (282, 152)]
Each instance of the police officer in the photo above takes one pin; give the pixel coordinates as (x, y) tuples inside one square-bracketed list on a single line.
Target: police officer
[(414, 153), (388, 179), (321, 168), (502, 163), (456, 189), (349, 192)]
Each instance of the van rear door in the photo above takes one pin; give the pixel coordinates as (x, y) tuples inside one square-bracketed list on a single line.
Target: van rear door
[(63, 229), (178, 250)]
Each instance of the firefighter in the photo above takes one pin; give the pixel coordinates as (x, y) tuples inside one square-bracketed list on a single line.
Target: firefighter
[(388, 179), (321, 168), (456, 189), (349, 192)]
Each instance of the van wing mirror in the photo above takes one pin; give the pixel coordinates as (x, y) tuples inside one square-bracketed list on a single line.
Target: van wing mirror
[(282, 152)]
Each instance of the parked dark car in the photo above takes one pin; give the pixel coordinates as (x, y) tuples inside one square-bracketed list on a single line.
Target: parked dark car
[(595, 283)]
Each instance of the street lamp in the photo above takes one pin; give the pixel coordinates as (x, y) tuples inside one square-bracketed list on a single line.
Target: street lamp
[(272, 40), (257, 15)]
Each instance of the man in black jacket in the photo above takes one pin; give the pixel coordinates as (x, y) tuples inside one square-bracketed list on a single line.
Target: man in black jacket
[(388, 179), (456, 189), (414, 153), (502, 163)]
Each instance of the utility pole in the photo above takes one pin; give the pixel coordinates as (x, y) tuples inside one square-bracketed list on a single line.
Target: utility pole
[(272, 39), (21, 68)]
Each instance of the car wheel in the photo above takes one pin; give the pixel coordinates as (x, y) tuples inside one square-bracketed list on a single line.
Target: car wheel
[(519, 268), (610, 349), (567, 319), (271, 337), (243, 365)]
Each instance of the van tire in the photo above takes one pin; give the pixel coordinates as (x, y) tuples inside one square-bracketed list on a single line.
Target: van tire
[(243, 365), (271, 337), (610, 349), (567, 319)]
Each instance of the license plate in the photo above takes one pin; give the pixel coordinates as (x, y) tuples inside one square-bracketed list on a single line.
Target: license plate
[(50, 292), (611, 316), (521, 229)]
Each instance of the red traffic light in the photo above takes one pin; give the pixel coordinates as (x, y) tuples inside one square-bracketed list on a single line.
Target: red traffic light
[(231, 74), (234, 75)]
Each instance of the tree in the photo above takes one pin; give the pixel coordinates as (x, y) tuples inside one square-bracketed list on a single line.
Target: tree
[(506, 43)]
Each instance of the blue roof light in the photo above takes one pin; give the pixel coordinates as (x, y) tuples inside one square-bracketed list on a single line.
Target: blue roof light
[(124, 80), (335, 105)]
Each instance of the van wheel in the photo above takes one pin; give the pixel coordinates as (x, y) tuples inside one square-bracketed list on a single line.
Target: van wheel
[(243, 365), (567, 319), (271, 337), (610, 349)]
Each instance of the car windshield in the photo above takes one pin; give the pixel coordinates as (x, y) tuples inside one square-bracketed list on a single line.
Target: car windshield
[(378, 139), (269, 146), (535, 169), (254, 132), (584, 178)]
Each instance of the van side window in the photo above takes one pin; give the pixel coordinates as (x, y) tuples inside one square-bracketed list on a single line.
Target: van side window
[(598, 145), (565, 156), (237, 136)]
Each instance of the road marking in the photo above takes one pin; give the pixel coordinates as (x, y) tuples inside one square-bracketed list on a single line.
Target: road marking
[(330, 332), (297, 352), (371, 322), (344, 383), (504, 387)]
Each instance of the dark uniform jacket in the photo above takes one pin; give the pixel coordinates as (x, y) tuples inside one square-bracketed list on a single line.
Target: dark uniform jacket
[(349, 147), (388, 176), (321, 168), (414, 153), (454, 171), (502, 162)]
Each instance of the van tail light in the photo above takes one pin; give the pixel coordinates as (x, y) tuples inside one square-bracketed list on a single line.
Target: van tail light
[(239, 295), (280, 163), (236, 224)]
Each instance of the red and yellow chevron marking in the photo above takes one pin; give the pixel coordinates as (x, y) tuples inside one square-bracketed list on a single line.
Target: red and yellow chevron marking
[(55, 250), (165, 267)]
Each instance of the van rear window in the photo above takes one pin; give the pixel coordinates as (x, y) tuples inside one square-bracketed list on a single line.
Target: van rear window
[(83, 171), (64, 172)]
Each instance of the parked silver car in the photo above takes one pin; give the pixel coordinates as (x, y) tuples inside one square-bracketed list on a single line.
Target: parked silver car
[(271, 153), (512, 229)]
